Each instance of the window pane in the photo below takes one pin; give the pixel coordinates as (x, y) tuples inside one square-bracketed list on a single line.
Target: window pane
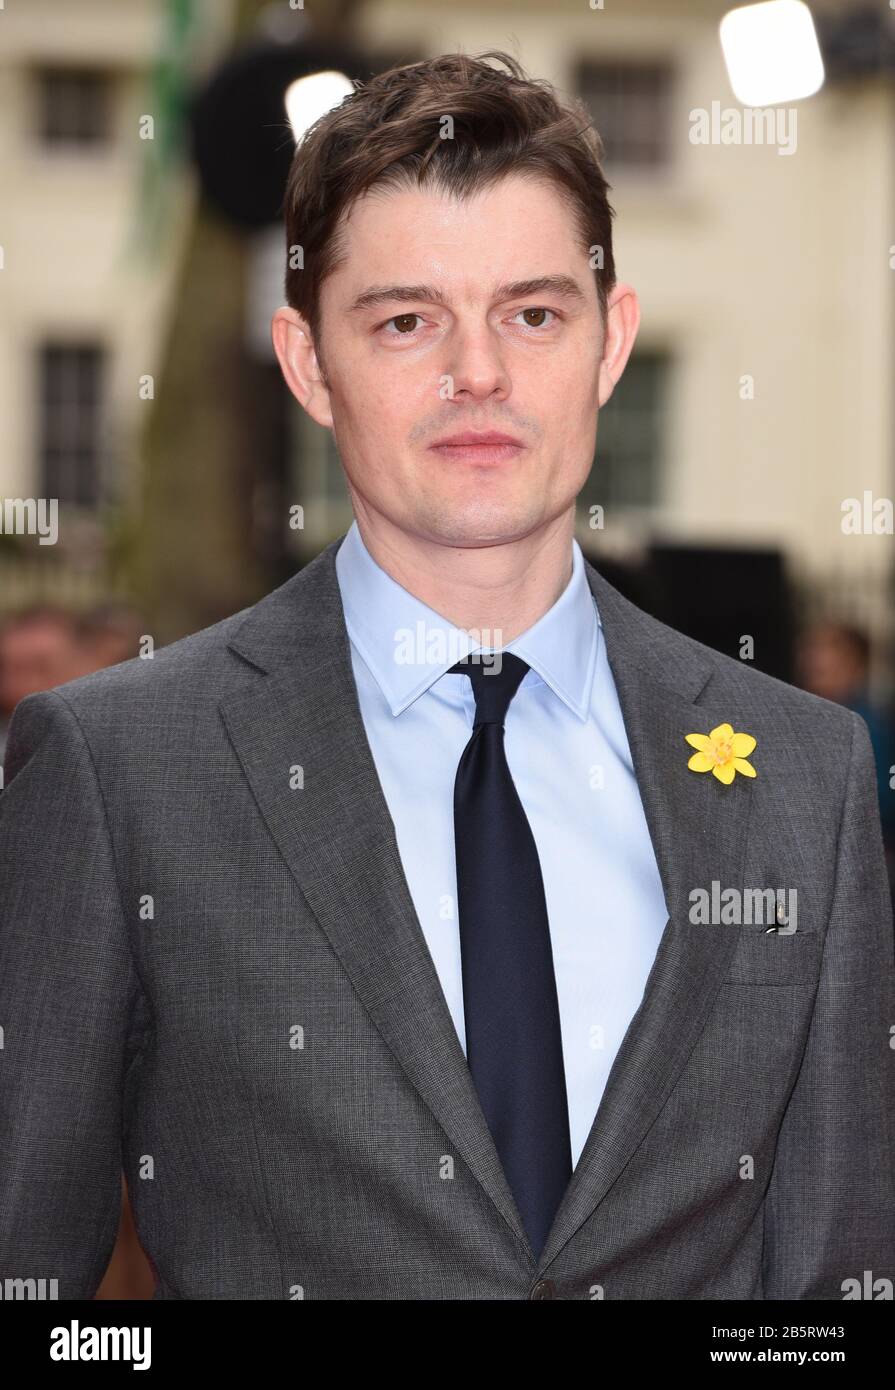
[(69, 426), (74, 106), (629, 103), (630, 436)]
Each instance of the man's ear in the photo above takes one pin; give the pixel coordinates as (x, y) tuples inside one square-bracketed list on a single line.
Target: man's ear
[(299, 364), (622, 323)]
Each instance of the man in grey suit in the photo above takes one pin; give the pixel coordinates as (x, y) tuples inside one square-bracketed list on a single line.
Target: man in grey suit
[(443, 926)]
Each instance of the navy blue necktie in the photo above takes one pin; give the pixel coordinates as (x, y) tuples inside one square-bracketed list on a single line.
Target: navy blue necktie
[(513, 1037)]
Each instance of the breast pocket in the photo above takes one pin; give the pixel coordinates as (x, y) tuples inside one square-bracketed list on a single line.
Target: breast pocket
[(775, 958)]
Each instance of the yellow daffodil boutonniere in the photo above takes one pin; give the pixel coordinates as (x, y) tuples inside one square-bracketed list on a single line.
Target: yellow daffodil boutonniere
[(722, 752)]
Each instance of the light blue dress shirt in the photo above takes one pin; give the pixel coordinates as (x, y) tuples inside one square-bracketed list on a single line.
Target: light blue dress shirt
[(568, 753)]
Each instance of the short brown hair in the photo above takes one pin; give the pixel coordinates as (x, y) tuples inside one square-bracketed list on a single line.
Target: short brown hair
[(387, 132)]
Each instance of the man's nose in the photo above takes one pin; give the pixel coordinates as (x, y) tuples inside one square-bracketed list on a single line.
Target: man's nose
[(476, 363)]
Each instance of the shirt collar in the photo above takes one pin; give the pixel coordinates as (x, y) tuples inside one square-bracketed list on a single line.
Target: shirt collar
[(407, 646)]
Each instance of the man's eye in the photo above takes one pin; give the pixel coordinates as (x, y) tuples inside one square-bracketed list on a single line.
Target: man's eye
[(405, 324), (536, 311), (402, 321)]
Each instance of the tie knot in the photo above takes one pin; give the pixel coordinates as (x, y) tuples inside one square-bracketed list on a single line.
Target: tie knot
[(494, 683)]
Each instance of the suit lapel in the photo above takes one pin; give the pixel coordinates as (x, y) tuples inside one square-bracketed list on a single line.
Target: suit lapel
[(337, 837), (698, 829)]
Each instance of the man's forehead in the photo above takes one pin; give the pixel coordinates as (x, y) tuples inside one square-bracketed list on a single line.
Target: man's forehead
[(388, 221), (388, 253)]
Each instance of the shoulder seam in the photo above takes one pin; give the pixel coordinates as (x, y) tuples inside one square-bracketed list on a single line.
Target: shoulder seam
[(86, 742)]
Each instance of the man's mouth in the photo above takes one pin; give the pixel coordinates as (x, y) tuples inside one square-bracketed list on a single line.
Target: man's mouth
[(478, 446)]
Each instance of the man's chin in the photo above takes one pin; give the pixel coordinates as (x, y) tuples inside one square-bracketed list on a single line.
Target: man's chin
[(467, 532)]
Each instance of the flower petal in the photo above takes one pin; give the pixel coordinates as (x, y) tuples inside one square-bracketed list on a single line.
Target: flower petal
[(700, 741), (720, 732), (725, 773), (700, 762), (745, 768), (742, 745)]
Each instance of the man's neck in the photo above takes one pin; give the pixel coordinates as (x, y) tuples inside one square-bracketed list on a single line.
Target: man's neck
[(499, 591)]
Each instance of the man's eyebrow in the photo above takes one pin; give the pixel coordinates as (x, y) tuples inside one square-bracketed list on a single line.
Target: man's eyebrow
[(563, 285)]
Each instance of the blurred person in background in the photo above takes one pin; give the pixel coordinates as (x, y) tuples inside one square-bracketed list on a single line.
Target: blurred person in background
[(111, 633), (833, 661), (45, 645), (40, 647)]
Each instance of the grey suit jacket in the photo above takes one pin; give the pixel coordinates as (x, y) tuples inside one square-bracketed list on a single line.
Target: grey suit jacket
[(212, 974)]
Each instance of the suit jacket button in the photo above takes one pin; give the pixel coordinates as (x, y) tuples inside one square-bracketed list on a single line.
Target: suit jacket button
[(544, 1288)]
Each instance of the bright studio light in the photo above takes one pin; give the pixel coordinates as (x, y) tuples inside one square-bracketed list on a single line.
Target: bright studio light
[(771, 52), (309, 98)]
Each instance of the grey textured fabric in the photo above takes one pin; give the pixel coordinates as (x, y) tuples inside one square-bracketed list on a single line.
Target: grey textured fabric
[(214, 976)]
